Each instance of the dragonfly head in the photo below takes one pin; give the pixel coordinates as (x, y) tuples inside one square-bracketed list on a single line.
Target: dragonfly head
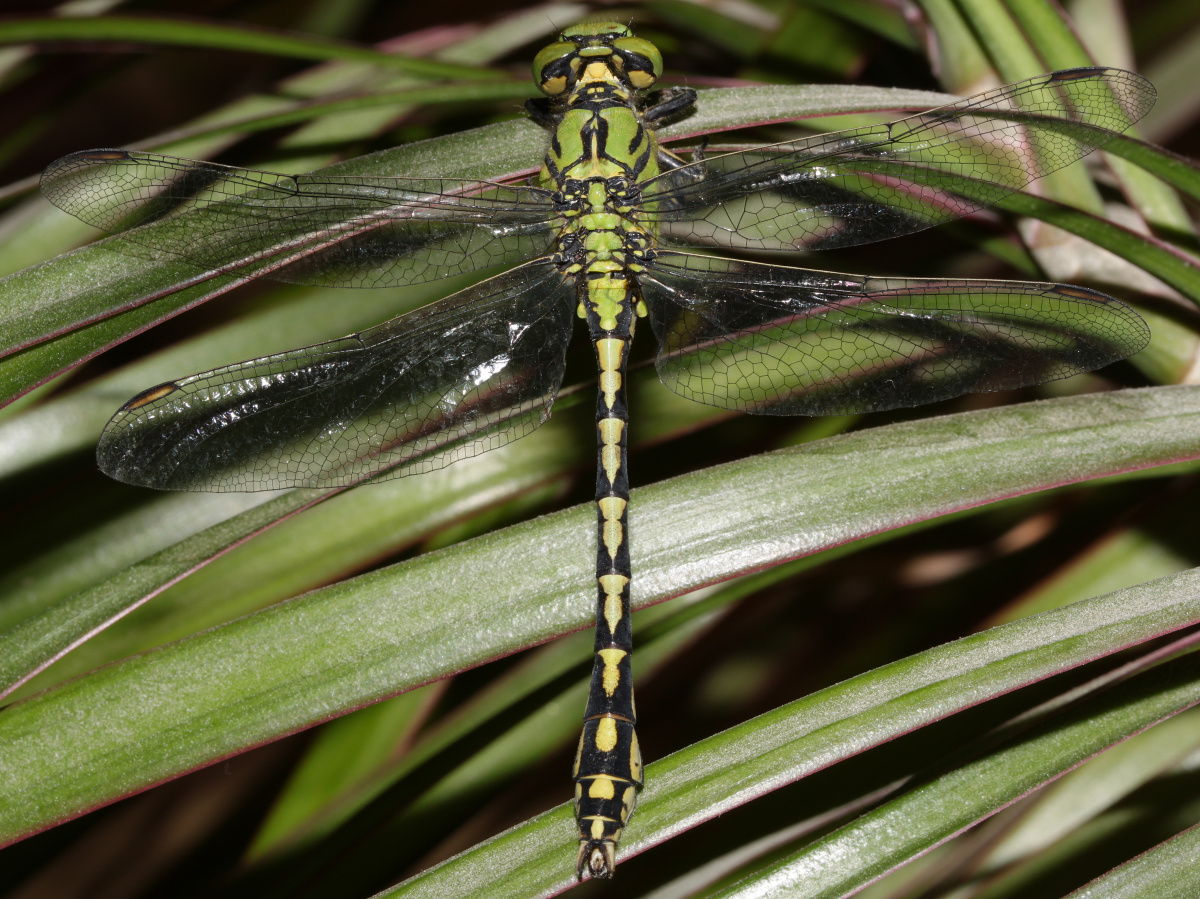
[(624, 58)]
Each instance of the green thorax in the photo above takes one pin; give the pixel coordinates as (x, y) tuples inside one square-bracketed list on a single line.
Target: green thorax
[(600, 151), (595, 72)]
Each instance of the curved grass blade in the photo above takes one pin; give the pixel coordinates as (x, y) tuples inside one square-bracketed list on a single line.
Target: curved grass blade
[(1157, 257), (158, 715), (47, 301), (782, 746), (381, 519), (220, 36), (1170, 870), (935, 811), (71, 308)]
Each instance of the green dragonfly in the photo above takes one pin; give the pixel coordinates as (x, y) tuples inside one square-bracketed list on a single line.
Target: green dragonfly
[(596, 235)]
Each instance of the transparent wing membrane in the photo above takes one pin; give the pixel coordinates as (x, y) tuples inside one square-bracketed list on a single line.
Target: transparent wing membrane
[(458, 378), (854, 187), (306, 229), (787, 341)]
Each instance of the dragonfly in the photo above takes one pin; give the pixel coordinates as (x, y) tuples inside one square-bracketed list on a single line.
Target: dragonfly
[(602, 234)]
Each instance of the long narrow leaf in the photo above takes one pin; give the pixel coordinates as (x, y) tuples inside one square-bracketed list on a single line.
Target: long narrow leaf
[(155, 716)]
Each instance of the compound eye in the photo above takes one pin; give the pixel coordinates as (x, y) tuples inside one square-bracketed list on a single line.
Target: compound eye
[(642, 61), (555, 68)]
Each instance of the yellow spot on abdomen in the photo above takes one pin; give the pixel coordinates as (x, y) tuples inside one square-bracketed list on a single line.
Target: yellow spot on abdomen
[(613, 586), (612, 507), (602, 788), (610, 351), (610, 383), (614, 536), (611, 430), (628, 801), (610, 458), (610, 679), (613, 583), (606, 735), (612, 611)]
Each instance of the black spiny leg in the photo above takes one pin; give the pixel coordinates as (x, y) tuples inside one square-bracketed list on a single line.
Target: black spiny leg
[(544, 112), (667, 104)]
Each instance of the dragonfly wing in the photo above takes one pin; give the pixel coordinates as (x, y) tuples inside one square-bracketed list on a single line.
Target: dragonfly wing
[(788, 341), (455, 379), (854, 187), (307, 229)]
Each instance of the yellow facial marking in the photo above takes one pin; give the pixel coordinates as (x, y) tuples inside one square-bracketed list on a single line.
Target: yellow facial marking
[(606, 735), (611, 678), (602, 788), (612, 611)]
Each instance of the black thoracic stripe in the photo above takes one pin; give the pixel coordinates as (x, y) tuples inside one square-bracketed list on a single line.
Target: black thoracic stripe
[(640, 163), (636, 140)]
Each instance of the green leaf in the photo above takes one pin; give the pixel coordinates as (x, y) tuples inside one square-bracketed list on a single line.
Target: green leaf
[(213, 35), (158, 715), (791, 742), (1168, 871), (932, 812)]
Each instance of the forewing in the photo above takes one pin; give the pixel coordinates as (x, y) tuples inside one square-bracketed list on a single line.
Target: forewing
[(787, 341), (854, 187), (455, 379), (357, 231)]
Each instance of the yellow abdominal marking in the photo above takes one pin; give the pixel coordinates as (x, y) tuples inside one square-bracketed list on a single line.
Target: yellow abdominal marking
[(611, 430), (613, 585), (610, 350), (610, 383), (611, 678), (612, 507), (606, 735), (614, 534), (602, 788), (612, 611), (610, 459)]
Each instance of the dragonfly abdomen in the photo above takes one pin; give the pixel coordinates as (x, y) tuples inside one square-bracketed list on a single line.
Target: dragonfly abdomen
[(608, 764)]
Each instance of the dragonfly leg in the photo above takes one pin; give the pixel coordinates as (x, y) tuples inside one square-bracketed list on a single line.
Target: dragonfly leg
[(543, 112), (667, 104)]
